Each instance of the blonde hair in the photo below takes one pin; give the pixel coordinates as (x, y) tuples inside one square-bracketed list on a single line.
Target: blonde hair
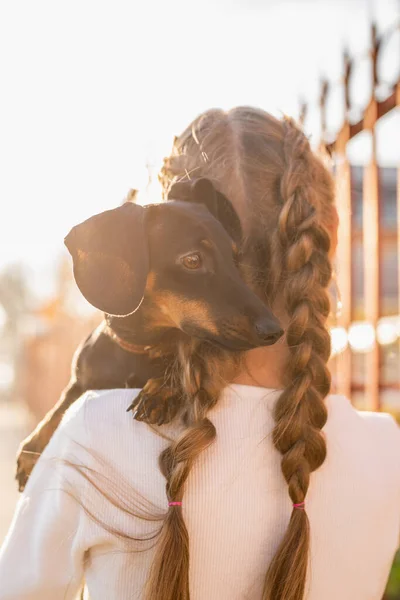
[(284, 197)]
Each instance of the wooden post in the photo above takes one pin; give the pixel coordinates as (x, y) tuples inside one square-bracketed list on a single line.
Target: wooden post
[(371, 221), (303, 111), (344, 249), (398, 218), (322, 111), (344, 255), (371, 239)]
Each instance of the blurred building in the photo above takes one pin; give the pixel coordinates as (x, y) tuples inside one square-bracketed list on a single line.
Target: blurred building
[(366, 334), (362, 337)]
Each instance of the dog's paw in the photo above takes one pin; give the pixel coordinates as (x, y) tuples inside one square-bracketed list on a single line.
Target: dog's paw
[(27, 456), (147, 408), (154, 410)]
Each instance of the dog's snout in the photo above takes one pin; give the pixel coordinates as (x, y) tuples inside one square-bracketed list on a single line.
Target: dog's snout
[(274, 337), (268, 329)]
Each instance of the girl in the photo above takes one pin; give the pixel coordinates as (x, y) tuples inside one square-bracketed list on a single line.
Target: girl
[(274, 489)]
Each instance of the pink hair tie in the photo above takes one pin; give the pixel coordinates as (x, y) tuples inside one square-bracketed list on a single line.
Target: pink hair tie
[(174, 503), (300, 505)]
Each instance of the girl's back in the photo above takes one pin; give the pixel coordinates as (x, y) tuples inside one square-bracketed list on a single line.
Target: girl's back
[(236, 507)]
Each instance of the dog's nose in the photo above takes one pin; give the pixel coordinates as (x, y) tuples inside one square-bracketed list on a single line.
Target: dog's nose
[(268, 329)]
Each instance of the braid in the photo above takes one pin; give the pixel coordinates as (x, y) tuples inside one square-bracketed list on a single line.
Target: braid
[(284, 198), (300, 412), (197, 365)]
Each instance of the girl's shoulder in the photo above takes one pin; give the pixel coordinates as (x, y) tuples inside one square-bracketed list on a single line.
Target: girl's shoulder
[(99, 421), (371, 434), (99, 405), (340, 407)]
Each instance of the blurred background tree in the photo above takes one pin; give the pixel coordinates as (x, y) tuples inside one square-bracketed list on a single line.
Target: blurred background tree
[(15, 303)]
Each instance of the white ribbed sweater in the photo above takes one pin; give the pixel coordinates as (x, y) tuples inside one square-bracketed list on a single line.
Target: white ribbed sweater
[(236, 506)]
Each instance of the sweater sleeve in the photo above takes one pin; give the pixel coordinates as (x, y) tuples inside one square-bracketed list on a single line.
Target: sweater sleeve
[(43, 554), (394, 432), (396, 459)]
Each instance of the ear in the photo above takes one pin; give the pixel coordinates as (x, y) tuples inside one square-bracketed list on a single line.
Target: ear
[(111, 260), (202, 191)]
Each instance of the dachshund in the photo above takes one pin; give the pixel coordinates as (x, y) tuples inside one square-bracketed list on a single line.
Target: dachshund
[(158, 273)]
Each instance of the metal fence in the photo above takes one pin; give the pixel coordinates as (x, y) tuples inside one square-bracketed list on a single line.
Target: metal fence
[(366, 365)]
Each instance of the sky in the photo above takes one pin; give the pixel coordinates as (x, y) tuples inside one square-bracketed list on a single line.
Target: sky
[(92, 90)]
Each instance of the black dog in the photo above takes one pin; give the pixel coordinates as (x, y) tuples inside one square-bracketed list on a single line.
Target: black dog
[(159, 273)]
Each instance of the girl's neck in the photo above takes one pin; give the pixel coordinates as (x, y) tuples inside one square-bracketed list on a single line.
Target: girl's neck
[(265, 367)]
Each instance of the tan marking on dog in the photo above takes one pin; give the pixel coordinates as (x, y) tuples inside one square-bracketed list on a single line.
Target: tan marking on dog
[(151, 282), (174, 309), (207, 244), (156, 316)]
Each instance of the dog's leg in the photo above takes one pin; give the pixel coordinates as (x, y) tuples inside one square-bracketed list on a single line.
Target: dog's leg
[(31, 448)]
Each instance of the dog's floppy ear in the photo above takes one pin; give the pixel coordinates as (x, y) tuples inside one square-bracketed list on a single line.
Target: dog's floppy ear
[(111, 260), (202, 191)]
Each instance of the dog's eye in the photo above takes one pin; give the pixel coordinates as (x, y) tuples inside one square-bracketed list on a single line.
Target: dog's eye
[(192, 261)]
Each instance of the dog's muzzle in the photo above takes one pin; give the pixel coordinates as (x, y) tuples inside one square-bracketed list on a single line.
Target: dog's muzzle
[(267, 331)]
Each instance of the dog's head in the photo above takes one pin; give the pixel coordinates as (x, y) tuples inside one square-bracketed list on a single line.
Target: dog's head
[(174, 264)]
